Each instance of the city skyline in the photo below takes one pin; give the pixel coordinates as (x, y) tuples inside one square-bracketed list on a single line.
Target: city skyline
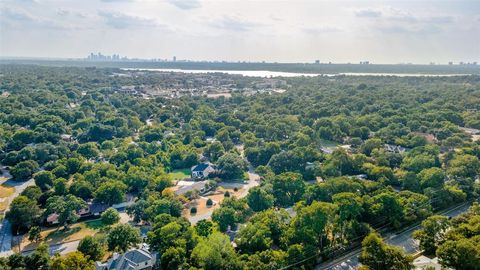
[(381, 32)]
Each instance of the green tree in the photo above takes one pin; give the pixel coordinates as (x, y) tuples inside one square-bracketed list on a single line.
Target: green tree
[(137, 210), (214, 151), (253, 237), (350, 208), (72, 261), (44, 179), (122, 237), (258, 199), (110, 216), (110, 192), (92, 246), (39, 259), (24, 170), (432, 233), (462, 254), (32, 192), (204, 227), (387, 204), (224, 217), (231, 166), (60, 186), (464, 166), (23, 213), (377, 255), (88, 150), (431, 177), (215, 252), (288, 188), (34, 234), (173, 258), (311, 225)]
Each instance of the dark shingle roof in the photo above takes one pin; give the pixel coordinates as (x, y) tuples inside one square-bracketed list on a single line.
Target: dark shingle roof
[(200, 167), (98, 207), (137, 256)]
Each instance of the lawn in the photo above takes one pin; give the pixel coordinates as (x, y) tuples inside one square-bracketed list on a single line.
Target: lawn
[(55, 235), (328, 144), (3, 206), (6, 191), (180, 174)]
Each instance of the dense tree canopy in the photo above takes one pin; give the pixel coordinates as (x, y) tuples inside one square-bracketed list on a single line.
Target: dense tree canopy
[(337, 157)]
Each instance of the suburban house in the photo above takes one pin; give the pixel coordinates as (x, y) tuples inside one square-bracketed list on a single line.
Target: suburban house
[(395, 148), (92, 210), (423, 263), (135, 259), (202, 170)]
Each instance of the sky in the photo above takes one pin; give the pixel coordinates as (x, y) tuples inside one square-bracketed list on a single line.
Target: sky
[(230, 30)]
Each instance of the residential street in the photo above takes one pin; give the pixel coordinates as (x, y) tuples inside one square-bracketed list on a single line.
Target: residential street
[(62, 248), (403, 240), (5, 227)]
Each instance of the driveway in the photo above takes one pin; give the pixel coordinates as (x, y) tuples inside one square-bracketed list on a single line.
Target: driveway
[(253, 181)]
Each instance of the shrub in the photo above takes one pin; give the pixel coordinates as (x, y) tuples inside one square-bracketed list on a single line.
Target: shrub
[(209, 202)]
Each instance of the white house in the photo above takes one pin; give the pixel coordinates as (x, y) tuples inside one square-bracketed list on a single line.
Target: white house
[(424, 262), (202, 170), (135, 259)]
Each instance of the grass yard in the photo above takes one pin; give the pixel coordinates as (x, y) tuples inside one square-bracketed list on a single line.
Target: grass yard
[(328, 143), (180, 174), (55, 235), (6, 191), (3, 206)]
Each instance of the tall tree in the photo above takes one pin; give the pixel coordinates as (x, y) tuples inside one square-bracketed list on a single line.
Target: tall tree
[(376, 255), (432, 233)]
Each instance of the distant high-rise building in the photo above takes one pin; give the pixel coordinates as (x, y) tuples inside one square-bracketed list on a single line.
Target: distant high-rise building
[(101, 57), (450, 63), (317, 62), (174, 59)]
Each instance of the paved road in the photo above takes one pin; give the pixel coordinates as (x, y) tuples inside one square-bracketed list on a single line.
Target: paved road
[(62, 248), (5, 227), (403, 239)]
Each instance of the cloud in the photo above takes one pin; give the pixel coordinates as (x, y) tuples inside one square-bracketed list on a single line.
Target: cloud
[(17, 15), (368, 13), (122, 21), (233, 24), (19, 18), (66, 13), (440, 19), (113, 1), (407, 17), (415, 30), (185, 4), (321, 30)]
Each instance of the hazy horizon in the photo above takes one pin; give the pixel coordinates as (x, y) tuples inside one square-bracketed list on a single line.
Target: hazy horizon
[(382, 32)]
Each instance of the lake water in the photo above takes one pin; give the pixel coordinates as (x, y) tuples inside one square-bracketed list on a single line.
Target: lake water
[(266, 73)]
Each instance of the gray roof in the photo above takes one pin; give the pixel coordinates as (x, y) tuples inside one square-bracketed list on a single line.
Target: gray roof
[(200, 167), (137, 256), (127, 261)]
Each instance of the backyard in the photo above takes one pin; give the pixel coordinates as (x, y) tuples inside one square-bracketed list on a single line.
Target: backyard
[(180, 174), (57, 235)]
